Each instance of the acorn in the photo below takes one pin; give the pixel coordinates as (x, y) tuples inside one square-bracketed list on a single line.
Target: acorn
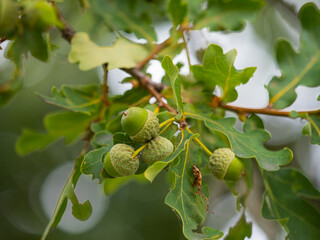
[(119, 161), (142, 125), (157, 149), (225, 165)]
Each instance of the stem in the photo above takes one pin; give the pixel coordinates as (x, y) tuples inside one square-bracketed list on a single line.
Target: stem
[(71, 183), (142, 101), (139, 150), (154, 52), (152, 87), (200, 143), (166, 122), (266, 111), (186, 47), (165, 128), (156, 110), (105, 87), (67, 31), (62, 196)]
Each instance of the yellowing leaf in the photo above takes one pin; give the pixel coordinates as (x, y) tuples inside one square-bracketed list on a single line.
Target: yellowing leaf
[(123, 53)]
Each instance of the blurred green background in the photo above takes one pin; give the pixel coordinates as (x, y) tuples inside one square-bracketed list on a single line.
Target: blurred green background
[(26, 183), (30, 185)]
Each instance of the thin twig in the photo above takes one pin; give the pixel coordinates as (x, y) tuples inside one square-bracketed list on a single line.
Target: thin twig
[(186, 47), (71, 183), (67, 31), (2, 40), (266, 111), (143, 78), (105, 87), (153, 88), (154, 52)]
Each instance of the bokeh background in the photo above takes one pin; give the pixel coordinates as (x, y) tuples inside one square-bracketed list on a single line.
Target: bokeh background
[(30, 185)]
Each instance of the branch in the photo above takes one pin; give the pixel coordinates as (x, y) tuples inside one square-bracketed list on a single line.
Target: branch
[(2, 40), (67, 31), (105, 87), (154, 52), (266, 111), (153, 88), (159, 47)]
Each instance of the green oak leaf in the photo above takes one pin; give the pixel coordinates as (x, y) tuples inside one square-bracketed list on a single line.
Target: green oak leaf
[(195, 9), (218, 69), (172, 71), (241, 230), (124, 138), (59, 211), (92, 163), (312, 128), (252, 123), (177, 10), (111, 185), (289, 198), (231, 14), (122, 54), (85, 99), (183, 198), (125, 15), (31, 140), (297, 68), (67, 124), (29, 41), (247, 144), (9, 88), (153, 170), (102, 138), (81, 211)]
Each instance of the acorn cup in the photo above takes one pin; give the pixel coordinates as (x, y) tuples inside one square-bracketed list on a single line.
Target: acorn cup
[(225, 165), (157, 149), (142, 125), (119, 161)]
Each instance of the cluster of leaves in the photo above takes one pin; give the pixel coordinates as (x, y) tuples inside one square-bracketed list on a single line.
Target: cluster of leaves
[(25, 22), (89, 115)]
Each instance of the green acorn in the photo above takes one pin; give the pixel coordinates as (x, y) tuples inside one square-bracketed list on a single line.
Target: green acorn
[(157, 149), (225, 165), (142, 125), (119, 161)]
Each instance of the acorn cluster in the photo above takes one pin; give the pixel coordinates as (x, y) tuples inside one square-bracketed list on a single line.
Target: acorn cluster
[(142, 126)]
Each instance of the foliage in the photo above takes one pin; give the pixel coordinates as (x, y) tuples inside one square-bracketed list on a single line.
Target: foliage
[(195, 127)]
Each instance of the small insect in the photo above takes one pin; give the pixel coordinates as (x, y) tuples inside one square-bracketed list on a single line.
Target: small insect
[(197, 177), (198, 182)]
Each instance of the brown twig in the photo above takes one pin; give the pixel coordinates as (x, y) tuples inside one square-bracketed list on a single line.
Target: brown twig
[(105, 87), (153, 88), (2, 40), (67, 31), (144, 79), (266, 111), (154, 52)]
